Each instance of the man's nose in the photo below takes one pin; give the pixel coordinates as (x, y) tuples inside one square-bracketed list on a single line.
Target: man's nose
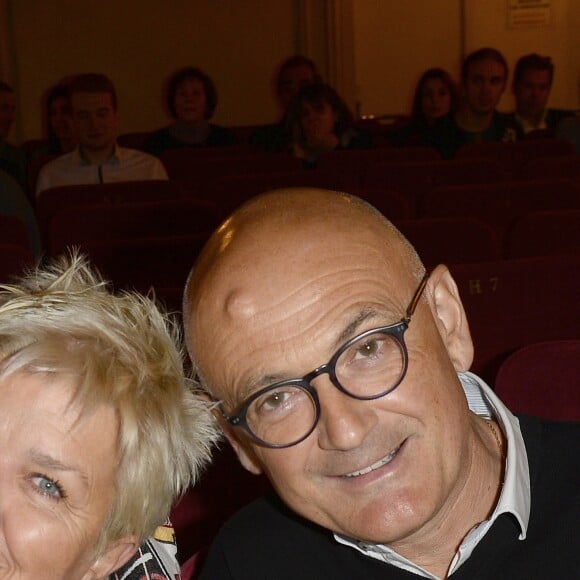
[(344, 421)]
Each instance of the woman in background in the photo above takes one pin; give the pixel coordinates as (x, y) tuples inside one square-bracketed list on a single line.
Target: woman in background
[(191, 101), (435, 98), (319, 121)]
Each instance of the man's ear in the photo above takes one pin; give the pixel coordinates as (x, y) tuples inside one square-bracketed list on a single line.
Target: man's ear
[(451, 319), (114, 556), (244, 452)]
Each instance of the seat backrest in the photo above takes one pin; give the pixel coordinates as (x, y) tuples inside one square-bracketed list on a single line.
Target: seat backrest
[(565, 166), (133, 140), (143, 264), (392, 204), (349, 165), (530, 149), (499, 204), (498, 151), (78, 224), (513, 156), (14, 259), (243, 133), (13, 231), (193, 170), (512, 303), (230, 191), (416, 178), (53, 200), (451, 240), (545, 233), (410, 153), (542, 379), (223, 489)]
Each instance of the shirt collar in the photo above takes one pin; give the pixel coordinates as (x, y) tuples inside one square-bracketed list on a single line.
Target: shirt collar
[(515, 497), (114, 159), (527, 126)]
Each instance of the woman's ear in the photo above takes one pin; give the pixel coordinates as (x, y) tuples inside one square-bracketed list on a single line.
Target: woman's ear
[(451, 318), (114, 556)]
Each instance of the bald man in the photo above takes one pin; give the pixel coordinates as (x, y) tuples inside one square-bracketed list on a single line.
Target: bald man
[(341, 371)]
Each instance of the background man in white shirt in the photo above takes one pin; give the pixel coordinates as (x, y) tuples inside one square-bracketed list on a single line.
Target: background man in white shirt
[(98, 158)]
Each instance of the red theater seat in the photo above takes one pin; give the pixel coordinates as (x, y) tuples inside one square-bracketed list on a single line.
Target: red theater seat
[(544, 233), (391, 204), (451, 240), (500, 204), (78, 224), (514, 156), (143, 264), (14, 259), (223, 489), (230, 191), (543, 380), (567, 166), (416, 178), (194, 170), (53, 200), (133, 140), (513, 303), (13, 231)]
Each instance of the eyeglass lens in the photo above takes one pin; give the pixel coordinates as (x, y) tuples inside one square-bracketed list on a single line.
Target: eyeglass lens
[(366, 369)]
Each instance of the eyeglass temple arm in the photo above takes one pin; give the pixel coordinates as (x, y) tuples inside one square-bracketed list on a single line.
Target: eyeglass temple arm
[(416, 298)]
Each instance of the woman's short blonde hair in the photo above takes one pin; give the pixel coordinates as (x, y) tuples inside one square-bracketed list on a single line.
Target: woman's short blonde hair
[(62, 319)]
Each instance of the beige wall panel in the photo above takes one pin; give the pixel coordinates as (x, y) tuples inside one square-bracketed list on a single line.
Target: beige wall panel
[(395, 42), (139, 42)]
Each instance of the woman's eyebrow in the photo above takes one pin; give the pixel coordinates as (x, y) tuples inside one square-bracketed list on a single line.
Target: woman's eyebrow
[(48, 462)]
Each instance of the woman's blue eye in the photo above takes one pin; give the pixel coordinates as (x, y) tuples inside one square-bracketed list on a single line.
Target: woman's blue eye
[(47, 486)]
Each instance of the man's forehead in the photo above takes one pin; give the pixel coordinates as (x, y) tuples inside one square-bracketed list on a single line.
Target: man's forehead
[(291, 265), (535, 76), (486, 67)]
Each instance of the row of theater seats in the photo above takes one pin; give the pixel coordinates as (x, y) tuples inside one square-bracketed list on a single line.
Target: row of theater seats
[(140, 245), (495, 203), (510, 219), (194, 168)]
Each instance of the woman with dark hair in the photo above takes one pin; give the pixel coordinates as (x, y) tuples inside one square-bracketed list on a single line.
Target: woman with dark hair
[(59, 125), (435, 98), (191, 101), (319, 121)]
